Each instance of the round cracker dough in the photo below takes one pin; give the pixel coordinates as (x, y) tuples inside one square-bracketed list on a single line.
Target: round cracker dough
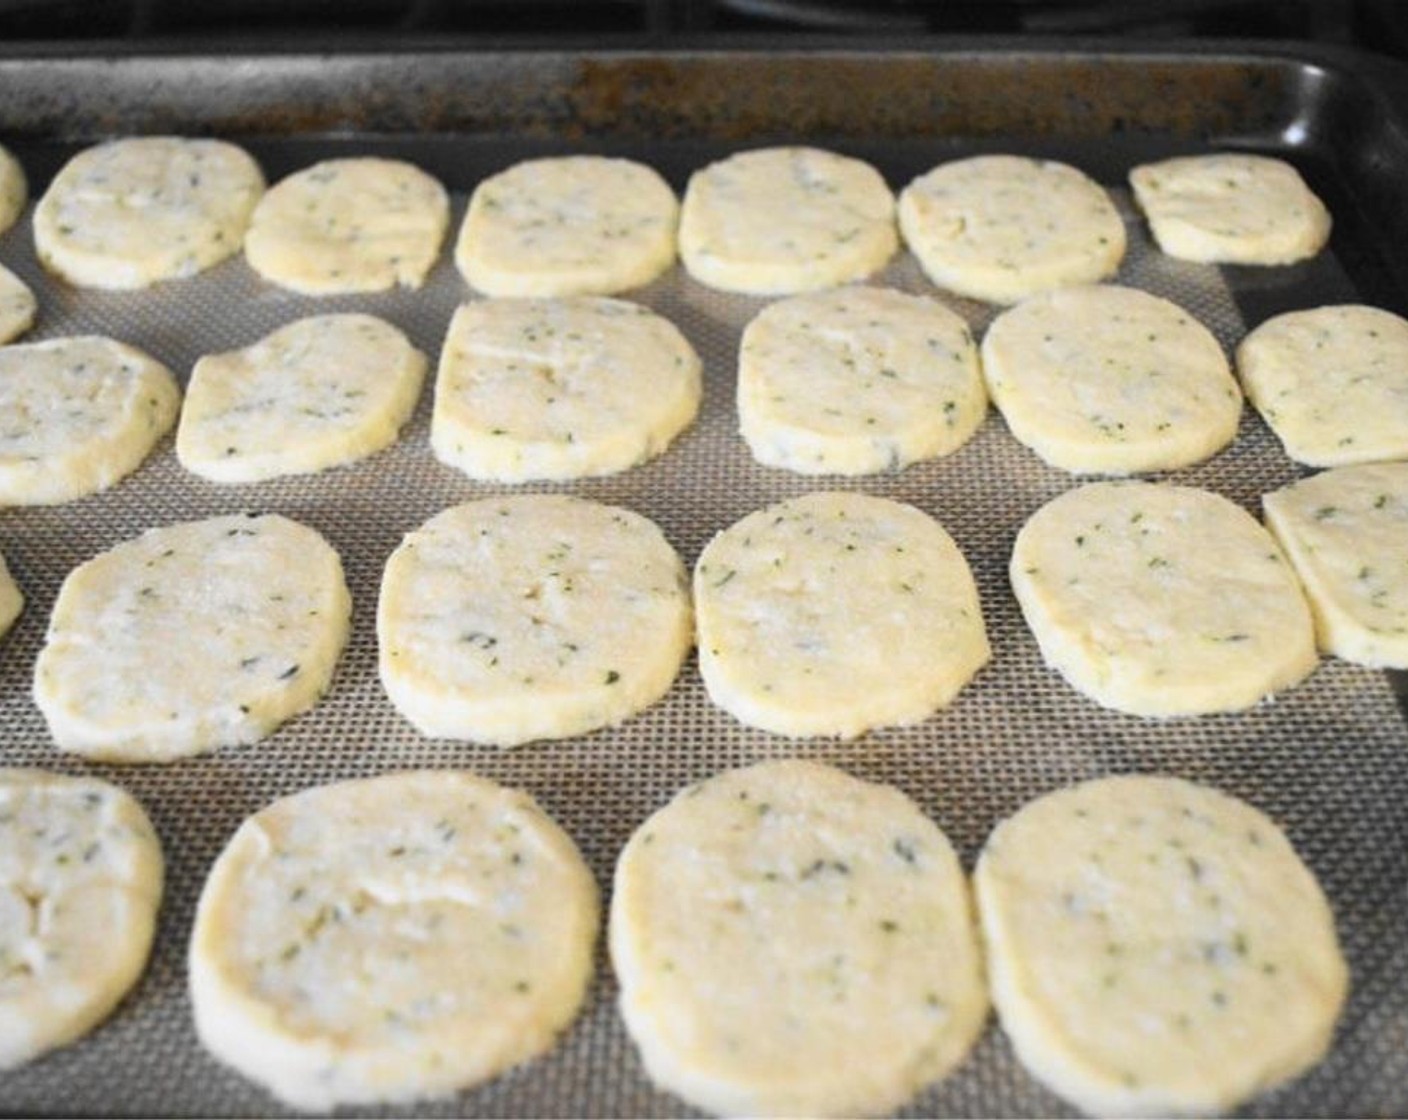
[(314, 394), (14, 189), (17, 305), (78, 415), (80, 884), (1231, 209), (1161, 600), (780, 220), (1346, 533), (191, 637), (349, 225), (1332, 383), (129, 213), (574, 225), (559, 389), (536, 617), (1111, 380), (11, 599), (1156, 947), (792, 941), (391, 938), (1002, 228), (835, 613), (857, 381)]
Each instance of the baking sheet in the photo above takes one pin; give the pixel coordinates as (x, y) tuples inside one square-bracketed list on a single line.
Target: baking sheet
[(1329, 759)]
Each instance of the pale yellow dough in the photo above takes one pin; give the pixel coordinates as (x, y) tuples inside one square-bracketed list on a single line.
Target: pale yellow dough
[(1157, 948), (835, 613), (507, 620), (77, 415), (14, 189), (190, 637), (17, 306), (775, 221), (1231, 209), (11, 599), (791, 941), (569, 226), (349, 225), (80, 884), (1332, 383), (1002, 228), (560, 388), (314, 394), (129, 213), (392, 938), (1111, 380), (1161, 600), (1346, 532), (857, 380)]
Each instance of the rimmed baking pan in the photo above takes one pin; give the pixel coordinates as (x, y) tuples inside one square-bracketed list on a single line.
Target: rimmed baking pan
[(1328, 759)]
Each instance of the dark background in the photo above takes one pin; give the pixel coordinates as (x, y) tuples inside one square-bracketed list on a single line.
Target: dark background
[(1380, 25)]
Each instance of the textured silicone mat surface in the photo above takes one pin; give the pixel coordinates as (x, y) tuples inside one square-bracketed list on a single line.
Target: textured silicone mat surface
[(1329, 759)]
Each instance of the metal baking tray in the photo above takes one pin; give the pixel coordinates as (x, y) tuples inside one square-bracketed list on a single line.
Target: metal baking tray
[(1328, 759)]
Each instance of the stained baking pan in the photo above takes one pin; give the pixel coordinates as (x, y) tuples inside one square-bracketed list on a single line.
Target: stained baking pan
[(1328, 759)]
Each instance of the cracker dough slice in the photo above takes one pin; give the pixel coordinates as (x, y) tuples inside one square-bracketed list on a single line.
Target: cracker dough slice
[(792, 941), (558, 389), (781, 220), (857, 381), (11, 599), (1346, 533), (14, 189), (1231, 209), (78, 415), (17, 305), (1161, 600), (1111, 380), (1156, 947), (835, 613), (1002, 228), (574, 225), (1332, 383), (80, 884), (391, 938), (534, 617), (130, 213), (349, 225), (316, 393), (191, 637)]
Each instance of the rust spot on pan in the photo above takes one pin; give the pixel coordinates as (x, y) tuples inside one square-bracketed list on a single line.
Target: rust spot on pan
[(751, 96)]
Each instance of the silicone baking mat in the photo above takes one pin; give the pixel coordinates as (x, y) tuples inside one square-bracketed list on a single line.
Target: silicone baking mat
[(1328, 759)]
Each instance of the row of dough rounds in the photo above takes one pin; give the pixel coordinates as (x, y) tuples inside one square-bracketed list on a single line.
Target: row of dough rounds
[(526, 389), (511, 620), (1096, 379), (788, 940), (772, 221), (855, 380)]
